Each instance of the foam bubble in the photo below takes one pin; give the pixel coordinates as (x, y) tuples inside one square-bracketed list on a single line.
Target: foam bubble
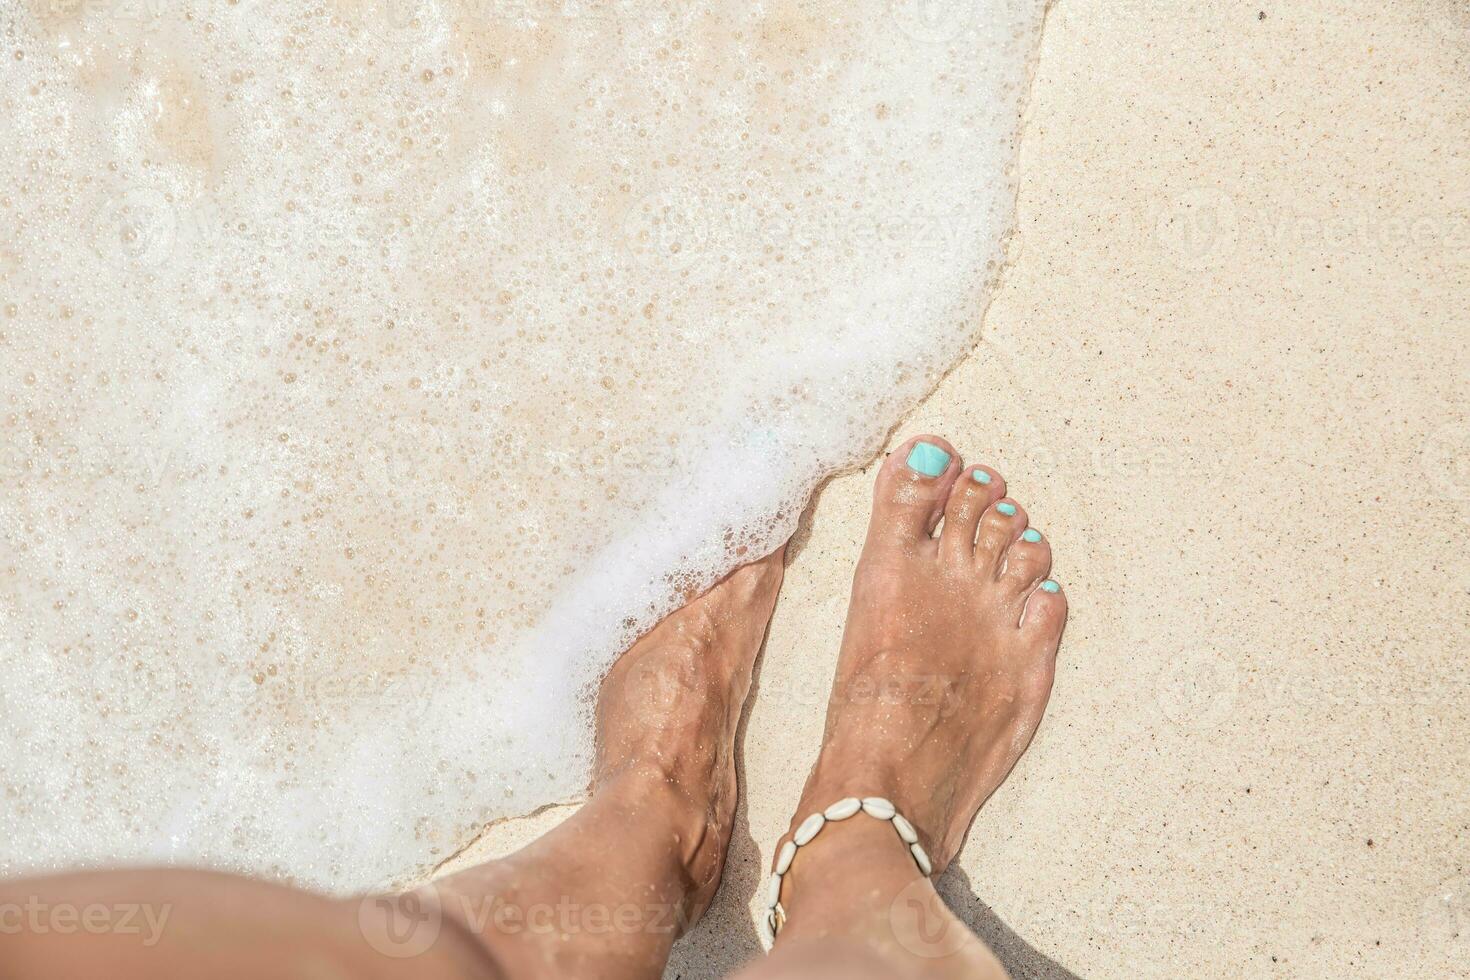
[(377, 370)]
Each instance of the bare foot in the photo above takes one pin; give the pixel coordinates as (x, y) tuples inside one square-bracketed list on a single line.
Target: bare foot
[(669, 708), (949, 652), (605, 893)]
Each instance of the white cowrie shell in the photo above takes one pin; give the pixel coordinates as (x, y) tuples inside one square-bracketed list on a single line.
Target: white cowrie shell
[(773, 891), (877, 806), (843, 809), (905, 829), (783, 860), (925, 865), (808, 829)]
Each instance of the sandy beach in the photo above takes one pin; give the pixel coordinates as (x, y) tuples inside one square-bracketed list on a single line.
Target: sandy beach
[(1226, 373)]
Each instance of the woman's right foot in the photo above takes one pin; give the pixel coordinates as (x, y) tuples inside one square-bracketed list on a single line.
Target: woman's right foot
[(949, 651)]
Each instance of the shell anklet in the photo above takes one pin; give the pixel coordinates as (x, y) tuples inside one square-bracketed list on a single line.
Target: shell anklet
[(874, 806)]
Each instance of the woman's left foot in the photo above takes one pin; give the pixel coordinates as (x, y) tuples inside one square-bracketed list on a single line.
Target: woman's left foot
[(668, 711)]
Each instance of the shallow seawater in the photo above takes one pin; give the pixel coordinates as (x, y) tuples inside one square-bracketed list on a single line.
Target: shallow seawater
[(374, 370)]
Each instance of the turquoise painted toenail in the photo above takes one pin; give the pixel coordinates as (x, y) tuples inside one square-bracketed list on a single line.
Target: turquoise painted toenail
[(1007, 509), (928, 459), (1050, 586), (981, 476), (1031, 534)]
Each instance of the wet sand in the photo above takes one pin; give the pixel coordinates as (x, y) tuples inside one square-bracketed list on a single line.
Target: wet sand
[(1226, 374)]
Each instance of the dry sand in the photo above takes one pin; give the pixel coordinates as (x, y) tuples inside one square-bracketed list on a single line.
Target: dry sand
[(1227, 374)]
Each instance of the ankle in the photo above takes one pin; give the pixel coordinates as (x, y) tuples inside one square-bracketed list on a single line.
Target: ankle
[(857, 881), (658, 796), (846, 876), (645, 795), (847, 775)]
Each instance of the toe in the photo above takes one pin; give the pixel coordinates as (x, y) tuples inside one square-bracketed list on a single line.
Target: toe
[(1027, 561), (1000, 525), (1045, 615), (913, 485), (974, 490)]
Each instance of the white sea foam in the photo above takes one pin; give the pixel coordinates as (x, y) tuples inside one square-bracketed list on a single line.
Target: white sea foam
[(376, 369)]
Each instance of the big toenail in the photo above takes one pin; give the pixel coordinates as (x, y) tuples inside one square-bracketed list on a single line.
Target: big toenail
[(1050, 586), (1031, 534), (982, 477), (928, 459), (1007, 509)]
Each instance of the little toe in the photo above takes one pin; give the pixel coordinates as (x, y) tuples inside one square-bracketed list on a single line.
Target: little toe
[(1045, 615)]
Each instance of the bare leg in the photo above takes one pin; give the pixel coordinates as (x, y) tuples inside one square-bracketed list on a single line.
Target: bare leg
[(151, 923), (641, 860), (604, 895), (946, 665)]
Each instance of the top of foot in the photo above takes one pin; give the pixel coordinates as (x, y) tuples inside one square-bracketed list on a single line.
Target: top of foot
[(668, 710), (950, 647)]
